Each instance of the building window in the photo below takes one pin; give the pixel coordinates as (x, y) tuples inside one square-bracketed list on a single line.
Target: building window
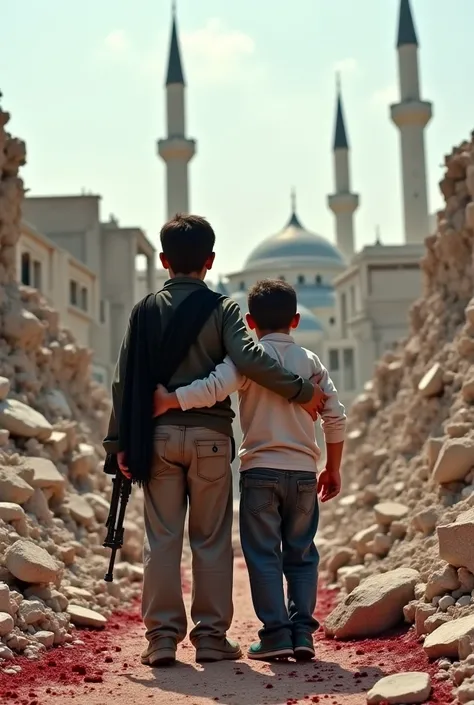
[(332, 321), (334, 369), (25, 269), (318, 279), (73, 298), (353, 300), (37, 275), (344, 315), (242, 286), (349, 369), (84, 297), (300, 278), (102, 311)]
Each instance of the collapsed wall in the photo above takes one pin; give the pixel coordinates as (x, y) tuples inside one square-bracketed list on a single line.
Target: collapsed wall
[(405, 519), (54, 496)]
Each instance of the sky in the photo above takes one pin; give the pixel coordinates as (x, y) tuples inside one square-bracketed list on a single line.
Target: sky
[(84, 82)]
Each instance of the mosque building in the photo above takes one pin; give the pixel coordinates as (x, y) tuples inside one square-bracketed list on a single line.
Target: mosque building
[(353, 305)]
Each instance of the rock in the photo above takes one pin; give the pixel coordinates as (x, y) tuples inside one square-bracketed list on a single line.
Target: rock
[(456, 541), (433, 447), (32, 611), (432, 384), (363, 537), (83, 617), (388, 512), (4, 388), (57, 445), (341, 557), (13, 488), (5, 605), (47, 477), (31, 563), (401, 689), (422, 613), (425, 521), (445, 602), (57, 404), (374, 606), (80, 510), (444, 641), (11, 512), (441, 582), (466, 579), (6, 623), (455, 460), (22, 420), (5, 653), (468, 390), (46, 638)]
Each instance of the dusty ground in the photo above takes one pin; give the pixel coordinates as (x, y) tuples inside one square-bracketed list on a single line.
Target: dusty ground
[(106, 667)]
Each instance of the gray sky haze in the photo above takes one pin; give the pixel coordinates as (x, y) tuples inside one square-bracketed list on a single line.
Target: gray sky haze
[(84, 83)]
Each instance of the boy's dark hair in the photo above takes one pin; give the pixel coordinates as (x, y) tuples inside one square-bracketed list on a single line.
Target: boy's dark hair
[(187, 242), (272, 304)]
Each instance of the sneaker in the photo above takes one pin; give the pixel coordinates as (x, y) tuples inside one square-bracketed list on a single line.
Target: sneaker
[(260, 651), (303, 647), (211, 649), (161, 652)]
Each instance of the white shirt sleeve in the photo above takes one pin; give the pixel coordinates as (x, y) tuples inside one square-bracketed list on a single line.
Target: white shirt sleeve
[(333, 415), (222, 382)]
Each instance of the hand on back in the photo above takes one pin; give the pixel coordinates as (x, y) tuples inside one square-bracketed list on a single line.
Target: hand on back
[(317, 402), (160, 401)]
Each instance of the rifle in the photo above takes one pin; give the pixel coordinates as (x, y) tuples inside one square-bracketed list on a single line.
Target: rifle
[(122, 488)]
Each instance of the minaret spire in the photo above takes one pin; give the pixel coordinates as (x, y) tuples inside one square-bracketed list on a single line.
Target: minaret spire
[(343, 203), (176, 149), (411, 115)]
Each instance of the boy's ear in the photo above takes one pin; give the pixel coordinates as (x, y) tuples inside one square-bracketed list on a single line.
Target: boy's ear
[(250, 322), (164, 261), (210, 261), (296, 321)]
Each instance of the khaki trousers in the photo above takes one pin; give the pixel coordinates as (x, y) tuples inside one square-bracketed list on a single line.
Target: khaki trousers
[(191, 467)]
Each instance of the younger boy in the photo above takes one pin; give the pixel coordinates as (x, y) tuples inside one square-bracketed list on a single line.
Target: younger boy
[(278, 507)]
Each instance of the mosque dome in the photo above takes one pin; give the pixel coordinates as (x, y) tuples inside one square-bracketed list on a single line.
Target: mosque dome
[(295, 245)]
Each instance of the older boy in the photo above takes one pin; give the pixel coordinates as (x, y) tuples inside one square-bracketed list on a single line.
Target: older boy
[(279, 486)]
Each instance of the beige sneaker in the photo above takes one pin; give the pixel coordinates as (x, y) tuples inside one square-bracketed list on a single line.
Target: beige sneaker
[(212, 649), (161, 652)]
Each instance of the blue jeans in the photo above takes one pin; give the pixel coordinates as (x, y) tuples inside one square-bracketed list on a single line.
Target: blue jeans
[(279, 516)]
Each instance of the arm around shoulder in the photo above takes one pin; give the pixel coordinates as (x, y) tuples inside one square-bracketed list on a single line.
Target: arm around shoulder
[(253, 362)]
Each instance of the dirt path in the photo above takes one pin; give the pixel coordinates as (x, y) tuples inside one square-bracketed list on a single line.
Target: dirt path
[(106, 668)]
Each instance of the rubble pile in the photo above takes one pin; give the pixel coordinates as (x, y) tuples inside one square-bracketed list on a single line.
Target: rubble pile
[(54, 496), (400, 540)]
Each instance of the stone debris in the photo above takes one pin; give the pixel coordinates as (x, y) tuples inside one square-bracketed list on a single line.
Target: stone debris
[(373, 606), (408, 491), (54, 495), (401, 689)]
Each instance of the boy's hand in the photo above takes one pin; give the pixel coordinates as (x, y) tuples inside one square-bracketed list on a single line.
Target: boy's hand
[(161, 401), (316, 404), (329, 485), (123, 465)]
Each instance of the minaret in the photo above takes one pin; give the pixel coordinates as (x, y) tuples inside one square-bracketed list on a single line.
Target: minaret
[(411, 115), (176, 150), (343, 203)]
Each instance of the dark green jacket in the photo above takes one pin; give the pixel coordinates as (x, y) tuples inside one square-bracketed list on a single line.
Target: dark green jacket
[(223, 334)]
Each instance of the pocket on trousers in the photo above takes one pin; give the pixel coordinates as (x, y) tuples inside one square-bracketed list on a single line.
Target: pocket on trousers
[(258, 495), (213, 459), (306, 495), (160, 464)]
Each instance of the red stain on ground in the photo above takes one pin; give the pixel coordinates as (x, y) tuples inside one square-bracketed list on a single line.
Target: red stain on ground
[(62, 670)]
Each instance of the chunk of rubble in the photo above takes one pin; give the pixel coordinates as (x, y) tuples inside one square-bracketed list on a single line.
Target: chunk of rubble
[(30, 563), (455, 459), (443, 642), (21, 420), (84, 617), (374, 606), (432, 384), (388, 512), (456, 541), (401, 689)]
